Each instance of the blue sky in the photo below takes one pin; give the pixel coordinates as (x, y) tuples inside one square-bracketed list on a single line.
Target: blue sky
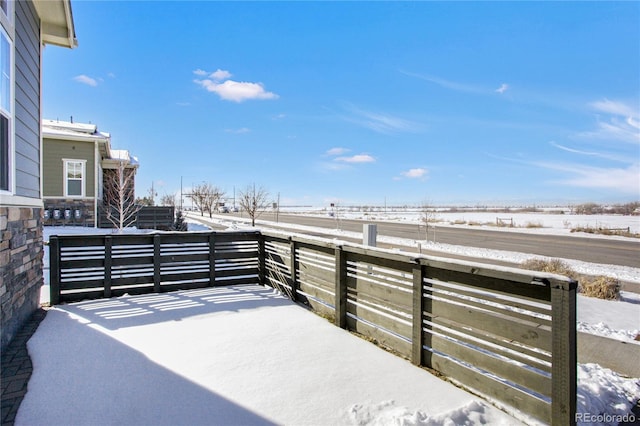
[(361, 102)]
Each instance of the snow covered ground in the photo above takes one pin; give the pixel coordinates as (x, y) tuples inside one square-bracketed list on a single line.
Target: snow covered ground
[(167, 373), (550, 221), (234, 355), (246, 355)]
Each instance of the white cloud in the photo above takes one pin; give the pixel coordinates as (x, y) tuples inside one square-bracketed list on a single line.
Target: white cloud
[(615, 129), (238, 131), (417, 173), (236, 91), (590, 153), (448, 84), (219, 82), (503, 88), (86, 80), (621, 180), (614, 108), (623, 124), (380, 122), (220, 75), (337, 151), (359, 158)]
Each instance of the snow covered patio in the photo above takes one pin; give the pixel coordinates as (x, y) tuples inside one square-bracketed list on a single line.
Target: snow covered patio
[(225, 355)]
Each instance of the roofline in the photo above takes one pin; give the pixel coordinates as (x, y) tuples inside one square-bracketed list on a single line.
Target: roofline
[(53, 32), (78, 138), (116, 161)]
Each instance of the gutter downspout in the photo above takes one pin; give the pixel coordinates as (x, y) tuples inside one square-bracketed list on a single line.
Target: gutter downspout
[(96, 182), (40, 132)]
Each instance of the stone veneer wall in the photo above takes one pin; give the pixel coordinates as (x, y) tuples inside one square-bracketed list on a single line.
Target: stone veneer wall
[(21, 268)]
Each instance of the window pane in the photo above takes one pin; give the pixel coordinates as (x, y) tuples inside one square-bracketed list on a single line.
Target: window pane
[(5, 73), (74, 170), (74, 187), (4, 153)]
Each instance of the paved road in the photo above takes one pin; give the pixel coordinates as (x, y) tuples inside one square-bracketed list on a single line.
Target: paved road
[(587, 249)]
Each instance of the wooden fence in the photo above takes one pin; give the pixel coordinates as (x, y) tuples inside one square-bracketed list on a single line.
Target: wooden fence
[(95, 266), (507, 334), (147, 217)]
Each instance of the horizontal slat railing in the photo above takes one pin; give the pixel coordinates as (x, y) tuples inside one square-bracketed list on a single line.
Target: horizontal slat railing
[(84, 266), (506, 333)]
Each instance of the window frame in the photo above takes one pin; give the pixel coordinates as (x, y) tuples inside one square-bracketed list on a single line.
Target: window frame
[(8, 159), (66, 179)]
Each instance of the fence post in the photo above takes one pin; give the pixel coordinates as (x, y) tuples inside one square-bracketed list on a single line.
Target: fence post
[(341, 287), (54, 270), (564, 352), (108, 261), (417, 338), (156, 263), (262, 264), (293, 268), (212, 259)]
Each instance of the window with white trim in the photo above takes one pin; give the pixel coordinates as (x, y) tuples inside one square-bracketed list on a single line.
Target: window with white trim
[(6, 113), (74, 173)]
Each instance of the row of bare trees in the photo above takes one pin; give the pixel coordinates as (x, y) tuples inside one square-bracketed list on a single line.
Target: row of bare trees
[(206, 198), (121, 206)]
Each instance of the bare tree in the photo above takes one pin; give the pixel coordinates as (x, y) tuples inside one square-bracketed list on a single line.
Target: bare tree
[(206, 197), (168, 200), (198, 197), (119, 197), (254, 202), (428, 215)]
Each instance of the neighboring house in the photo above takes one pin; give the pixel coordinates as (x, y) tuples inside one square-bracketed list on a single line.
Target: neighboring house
[(78, 164), (26, 26)]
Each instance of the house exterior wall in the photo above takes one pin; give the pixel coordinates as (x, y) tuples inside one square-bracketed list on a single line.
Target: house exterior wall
[(21, 212), (81, 210), (27, 104), (54, 150)]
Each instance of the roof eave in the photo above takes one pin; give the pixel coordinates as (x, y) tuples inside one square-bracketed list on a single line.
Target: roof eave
[(57, 25), (75, 138)]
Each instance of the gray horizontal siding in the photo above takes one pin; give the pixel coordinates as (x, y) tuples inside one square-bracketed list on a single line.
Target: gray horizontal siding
[(27, 104)]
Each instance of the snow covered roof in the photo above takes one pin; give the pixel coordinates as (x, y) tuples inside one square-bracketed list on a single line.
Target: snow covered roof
[(87, 132), (57, 129), (122, 155)]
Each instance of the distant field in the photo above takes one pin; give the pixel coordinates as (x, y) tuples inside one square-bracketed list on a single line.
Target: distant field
[(552, 220)]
